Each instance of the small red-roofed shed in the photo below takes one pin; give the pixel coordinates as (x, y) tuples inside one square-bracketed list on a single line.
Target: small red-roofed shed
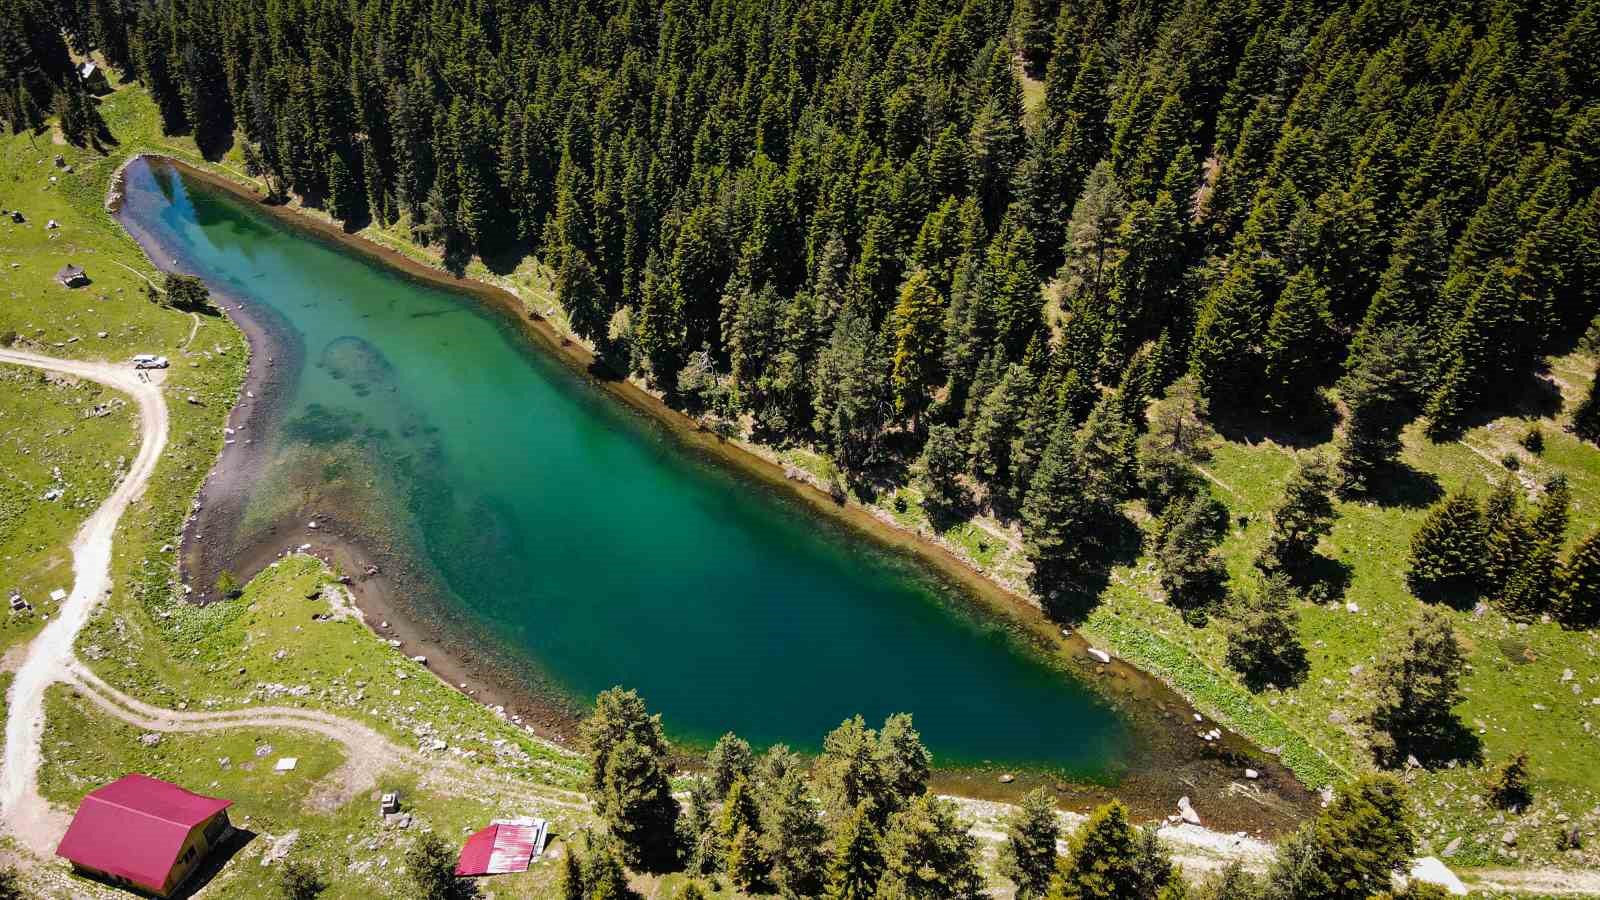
[(145, 833), (500, 849)]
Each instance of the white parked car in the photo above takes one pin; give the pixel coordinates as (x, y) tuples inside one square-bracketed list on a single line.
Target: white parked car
[(150, 361)]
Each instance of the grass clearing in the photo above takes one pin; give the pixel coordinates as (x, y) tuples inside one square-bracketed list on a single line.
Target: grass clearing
[(63, 445)]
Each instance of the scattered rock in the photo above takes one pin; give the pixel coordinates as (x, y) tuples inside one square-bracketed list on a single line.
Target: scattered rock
[(1509, 839), (1186, 811), (150, 739), (1007, 778), (1251, 774), (1100, 655), (278, 848), (1451, 848)]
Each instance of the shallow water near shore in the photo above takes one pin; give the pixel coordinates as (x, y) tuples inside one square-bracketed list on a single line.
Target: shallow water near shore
[(567, 543)]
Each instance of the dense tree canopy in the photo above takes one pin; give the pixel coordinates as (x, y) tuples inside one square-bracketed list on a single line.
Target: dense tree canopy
[(844, 221)]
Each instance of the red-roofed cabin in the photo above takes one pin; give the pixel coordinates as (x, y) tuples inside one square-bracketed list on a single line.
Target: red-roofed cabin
[(502, 848), (142, 832)]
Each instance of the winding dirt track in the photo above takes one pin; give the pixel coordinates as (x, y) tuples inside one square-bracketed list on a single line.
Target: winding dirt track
[(24, 812), (50, 659)]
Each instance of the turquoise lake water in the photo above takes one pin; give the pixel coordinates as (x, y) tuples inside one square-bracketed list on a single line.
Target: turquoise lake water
[(590, 548)]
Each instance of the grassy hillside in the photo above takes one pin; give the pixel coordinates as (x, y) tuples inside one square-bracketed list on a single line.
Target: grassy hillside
[(63, 444)]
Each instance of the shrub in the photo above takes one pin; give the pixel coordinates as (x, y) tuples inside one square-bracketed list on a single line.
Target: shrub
[(1511, 461), (1532, 440), (228, 586), (301, 881), (1508, 787)]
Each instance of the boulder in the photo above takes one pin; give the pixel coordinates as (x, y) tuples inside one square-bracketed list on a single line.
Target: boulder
[(1186, 811), (1431, 871)]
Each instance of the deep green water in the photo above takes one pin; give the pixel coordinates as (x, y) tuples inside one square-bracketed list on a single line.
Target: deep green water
[(580, 536)]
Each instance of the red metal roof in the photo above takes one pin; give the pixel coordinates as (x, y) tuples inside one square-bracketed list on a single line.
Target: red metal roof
[(134, 828), (497, 850)]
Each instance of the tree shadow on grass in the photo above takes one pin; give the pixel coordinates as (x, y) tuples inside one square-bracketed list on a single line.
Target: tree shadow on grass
[(1397, 485), (1307, 426), (1321, 579), (1071, 601), (1451, 742), (1530, 395)]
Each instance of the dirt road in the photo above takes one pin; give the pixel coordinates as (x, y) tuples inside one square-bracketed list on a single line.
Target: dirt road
[(21, 808)]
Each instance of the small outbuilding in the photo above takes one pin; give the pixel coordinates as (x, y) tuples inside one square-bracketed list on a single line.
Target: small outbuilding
[(72, 276), (503, 848), (93, 78), (145, 833)]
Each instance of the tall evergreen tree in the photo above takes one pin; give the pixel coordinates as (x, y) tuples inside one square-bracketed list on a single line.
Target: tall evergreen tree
[(1264, 644), (1301, 517), (1028, 857), (1447, 552), (1416, 685)]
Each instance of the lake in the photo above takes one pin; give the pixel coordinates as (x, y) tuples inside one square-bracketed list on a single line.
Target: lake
[(576, 543)]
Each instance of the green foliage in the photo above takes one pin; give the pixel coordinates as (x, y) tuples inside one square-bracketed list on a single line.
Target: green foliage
[(792, 834), (1416, 686), (1301, 517), (628, 778), (929, 852), (1192, 573), (729, 760), (1264, 644), (227, 585), (941, 466), (1353, 847), (1508, 785), (187, 293), (300, 880), (1578, 585), (1028, 856), (857, 864), (1103, 862), (1375, 394), (431, 865), (1447, 552)]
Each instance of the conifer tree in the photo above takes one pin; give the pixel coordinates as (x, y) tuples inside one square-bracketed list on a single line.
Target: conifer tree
[(928, 851), (1508, 786), (1578, 585), (1264, 644), (1374, 395), (1447, 552), (918, 320), (729, 760), (1300, 519), (1192, 574), (792, 835), (1508, 534), (628, 777), (941, 465), (1586, 417), (856, 866), (1353, 847), (1294, 348), (1102, 862), (1028, 857), (1416, 685)]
